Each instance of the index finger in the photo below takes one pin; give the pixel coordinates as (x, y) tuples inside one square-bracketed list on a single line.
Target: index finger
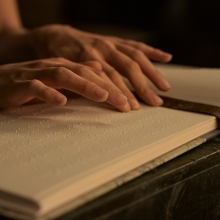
[(146, 66), (151, 52), (84, 82), (131, 70)]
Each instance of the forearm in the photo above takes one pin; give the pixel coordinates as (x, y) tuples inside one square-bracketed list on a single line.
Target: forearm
[(14, 46), (9, 15)]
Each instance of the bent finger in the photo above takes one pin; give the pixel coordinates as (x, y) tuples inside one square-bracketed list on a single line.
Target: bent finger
[(131, 70), (91, 83), (116, 97), (63, 78), (25, 91), (150, 52), (116, 78), (146, 66), (39, 90)]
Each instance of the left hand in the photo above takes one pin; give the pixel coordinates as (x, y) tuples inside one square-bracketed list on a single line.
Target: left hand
[(25, 82), (127, 57)]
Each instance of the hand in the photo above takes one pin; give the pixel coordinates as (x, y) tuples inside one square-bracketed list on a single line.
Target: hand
[(127, 57), (22, 82)]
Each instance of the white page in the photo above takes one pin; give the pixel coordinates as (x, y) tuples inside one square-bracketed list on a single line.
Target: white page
[(192, 84)]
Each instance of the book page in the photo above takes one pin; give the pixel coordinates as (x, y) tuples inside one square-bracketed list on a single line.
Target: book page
[(43, 145), (192, 84)]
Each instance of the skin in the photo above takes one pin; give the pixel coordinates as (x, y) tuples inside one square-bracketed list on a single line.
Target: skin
[(118, 57), (41, 79)]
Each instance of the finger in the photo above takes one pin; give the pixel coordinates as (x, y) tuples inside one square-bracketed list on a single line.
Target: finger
[(116, 78), (86, 83), (23, 92), (146, 66), (150, 52), (63, 78), (38, 90), (82, 80), (93, 64), (116, 96), (132, 71), (110, 86)]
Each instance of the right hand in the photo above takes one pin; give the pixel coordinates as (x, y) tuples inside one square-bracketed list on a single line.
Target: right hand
[(22, 82)]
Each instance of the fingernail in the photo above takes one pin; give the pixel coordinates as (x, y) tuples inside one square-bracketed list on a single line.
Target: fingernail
[(100, 92), (60, 98), (157, 100), (134, 104), (121, 99), (126, 108), (165, 85), (167, 54)]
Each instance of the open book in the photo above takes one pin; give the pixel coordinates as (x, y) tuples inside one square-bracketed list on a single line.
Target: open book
[(52, 157)]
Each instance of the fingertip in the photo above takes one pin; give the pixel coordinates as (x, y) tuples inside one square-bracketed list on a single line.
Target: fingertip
[(121, 99), (164, 85), (60, 99), (134, 104), (101, 94), (157, 101), (125, 108), (167, 57), (160, 81)]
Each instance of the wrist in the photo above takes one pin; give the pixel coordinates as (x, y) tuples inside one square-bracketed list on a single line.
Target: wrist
[(15, 46), (12, 30)]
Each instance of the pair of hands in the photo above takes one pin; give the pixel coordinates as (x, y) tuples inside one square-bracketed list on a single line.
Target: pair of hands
[(99, 81)]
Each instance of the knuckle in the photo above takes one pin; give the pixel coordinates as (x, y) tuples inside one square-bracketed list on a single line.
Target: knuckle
[(87, 52), (114, 75), (101, 74), (20, 74), (37, 64), (40, 63), (137, 43), (67, 26), (59, 73), (141, 44), (102, 44), (33, 83), (128, 93), (60, 59), (137, 54), (46, 92), (132, 66), (156, 74), (112, 72), (115, 38), (66, 54), (88, 49), (154, 51), (130, 41), (83, 72), (143, 89), (84, 86)]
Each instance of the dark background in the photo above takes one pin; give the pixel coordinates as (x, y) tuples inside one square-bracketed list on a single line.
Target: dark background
[(188, 29)]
